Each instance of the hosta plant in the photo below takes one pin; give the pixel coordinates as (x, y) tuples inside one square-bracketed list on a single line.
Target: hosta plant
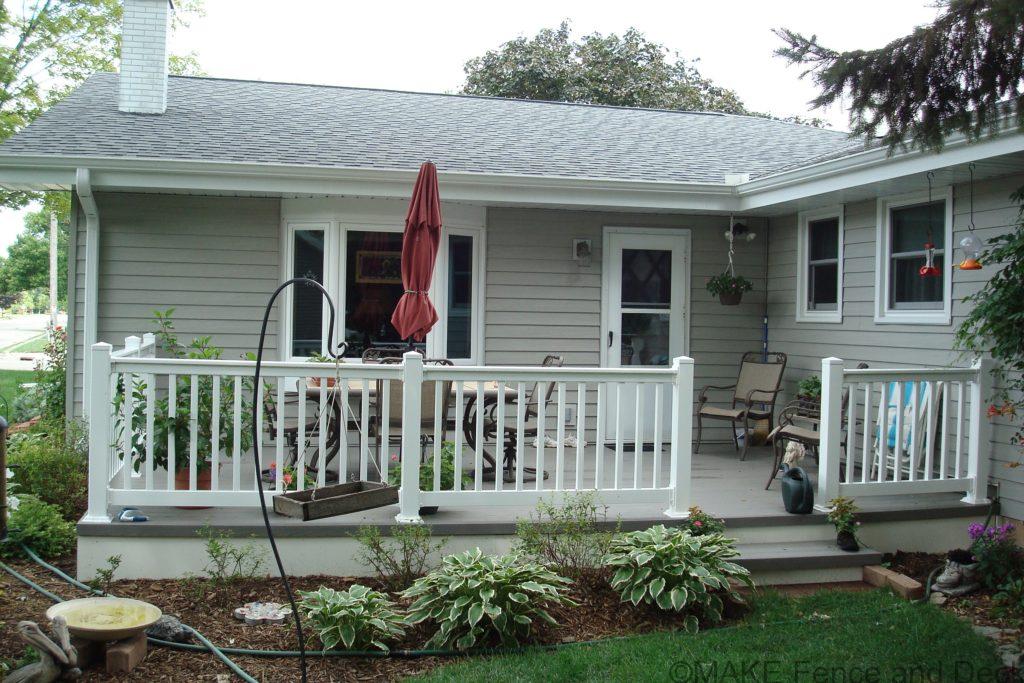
[(675, 570), (476, 598), (359, 618)]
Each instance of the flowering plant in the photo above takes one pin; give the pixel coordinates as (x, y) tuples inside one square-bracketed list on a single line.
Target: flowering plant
[(447, 470), (289, 478), (843, 515), (701, 523), (998, 556), (727, 283)]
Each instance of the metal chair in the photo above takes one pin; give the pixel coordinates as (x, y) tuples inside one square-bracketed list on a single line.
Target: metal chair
[(801, 423), (753, 399), (534, 430)]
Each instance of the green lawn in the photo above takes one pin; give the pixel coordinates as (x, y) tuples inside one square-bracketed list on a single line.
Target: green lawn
[(36, 345), (850, 636), (9, 381)]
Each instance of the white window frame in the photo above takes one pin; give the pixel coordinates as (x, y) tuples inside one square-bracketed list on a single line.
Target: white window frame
[(804, 314), (884, 314), (335, 243)]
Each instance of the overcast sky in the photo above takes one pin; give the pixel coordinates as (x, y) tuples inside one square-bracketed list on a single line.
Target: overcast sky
[(423, 45)]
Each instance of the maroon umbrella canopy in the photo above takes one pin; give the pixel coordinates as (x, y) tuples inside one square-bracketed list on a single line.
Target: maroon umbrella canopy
[(415, 315)]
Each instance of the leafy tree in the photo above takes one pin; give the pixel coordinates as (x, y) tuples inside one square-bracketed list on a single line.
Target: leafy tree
[(961, 74), (48, 47), (627, 70), (27, 265)]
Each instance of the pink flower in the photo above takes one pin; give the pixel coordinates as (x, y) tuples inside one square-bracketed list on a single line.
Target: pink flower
[(698, 523), (287, 479)]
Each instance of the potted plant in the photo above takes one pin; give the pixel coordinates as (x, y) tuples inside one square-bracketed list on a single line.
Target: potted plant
[(808, 393), (179, 423), (729, 288), (842, 513), (290, 478), (320, 358), (427, 474)]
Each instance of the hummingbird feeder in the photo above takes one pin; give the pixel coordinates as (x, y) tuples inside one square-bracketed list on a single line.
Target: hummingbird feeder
[(970, 244)]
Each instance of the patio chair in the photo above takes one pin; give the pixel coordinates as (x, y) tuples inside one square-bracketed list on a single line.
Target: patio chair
[(911, 450), (531, 429), (753, 397), (378, 354), (395, 399), (802, 423)]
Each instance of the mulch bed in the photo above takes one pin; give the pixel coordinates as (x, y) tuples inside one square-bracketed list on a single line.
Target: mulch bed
[(600, 614)]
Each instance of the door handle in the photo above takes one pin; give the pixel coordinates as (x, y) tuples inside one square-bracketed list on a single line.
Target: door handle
[(610, 336)]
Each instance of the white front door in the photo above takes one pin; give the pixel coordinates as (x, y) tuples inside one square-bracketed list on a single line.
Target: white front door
[(644, 319)]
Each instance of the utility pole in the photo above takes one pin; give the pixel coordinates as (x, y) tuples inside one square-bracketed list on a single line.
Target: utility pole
[(53, 269)]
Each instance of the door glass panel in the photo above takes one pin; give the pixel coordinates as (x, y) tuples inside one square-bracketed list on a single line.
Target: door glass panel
[(460, 296), (645, 338), (307, 303), (646, 278), (373, 286)]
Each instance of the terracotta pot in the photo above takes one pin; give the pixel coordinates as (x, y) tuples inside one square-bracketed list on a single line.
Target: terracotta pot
[(730, 298), (847, 541), (181, 482)]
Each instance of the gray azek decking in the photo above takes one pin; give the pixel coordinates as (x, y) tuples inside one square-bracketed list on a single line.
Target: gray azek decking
[(722, 486)]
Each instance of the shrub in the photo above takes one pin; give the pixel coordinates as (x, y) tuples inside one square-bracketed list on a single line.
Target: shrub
[(675, 570), (358, 618), (1010, 598), (105, 577), (41, 527), (51, 375), (700, 523), (399, 559), (998, 556), (474, 598), (48, 465), (809, 387), (566, 536), (229, 562)]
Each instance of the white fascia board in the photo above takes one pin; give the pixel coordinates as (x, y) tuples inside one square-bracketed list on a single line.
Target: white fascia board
[(871, 166), (199, 176)]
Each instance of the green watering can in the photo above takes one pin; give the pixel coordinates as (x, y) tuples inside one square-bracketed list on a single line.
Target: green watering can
[(797, 492)]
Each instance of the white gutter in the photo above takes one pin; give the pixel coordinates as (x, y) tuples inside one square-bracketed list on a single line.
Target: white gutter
[(90, 317)]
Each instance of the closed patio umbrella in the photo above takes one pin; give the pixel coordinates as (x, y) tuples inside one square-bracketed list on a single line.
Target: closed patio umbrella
[(415, 315)]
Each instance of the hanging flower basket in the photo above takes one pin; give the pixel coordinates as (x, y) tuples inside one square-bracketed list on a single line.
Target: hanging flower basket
[(729, 288)]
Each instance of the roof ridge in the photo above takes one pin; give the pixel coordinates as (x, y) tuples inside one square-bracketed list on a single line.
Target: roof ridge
[(399, 91)]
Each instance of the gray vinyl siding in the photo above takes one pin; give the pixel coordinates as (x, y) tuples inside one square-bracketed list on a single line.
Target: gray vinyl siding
[(540, 301), (859, 338), (215, 260)]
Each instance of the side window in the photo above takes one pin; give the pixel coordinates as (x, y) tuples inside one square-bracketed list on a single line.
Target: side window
[(307, 303), (820, 266)]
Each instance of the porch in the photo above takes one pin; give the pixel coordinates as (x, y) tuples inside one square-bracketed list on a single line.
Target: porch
[(915, 491)]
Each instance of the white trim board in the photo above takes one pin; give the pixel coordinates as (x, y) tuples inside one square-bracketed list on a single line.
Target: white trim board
[(804, 218), (883, 313)]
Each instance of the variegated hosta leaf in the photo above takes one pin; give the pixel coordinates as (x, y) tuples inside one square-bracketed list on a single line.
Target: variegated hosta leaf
[(357, 618), (676, 571)]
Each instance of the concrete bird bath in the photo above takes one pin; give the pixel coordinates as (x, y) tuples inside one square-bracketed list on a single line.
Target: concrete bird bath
[(105, 619)]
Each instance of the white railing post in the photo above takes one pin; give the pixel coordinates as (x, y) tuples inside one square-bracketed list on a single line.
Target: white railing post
[(831, 431), (148, 345), (979, 448), (132, 345), (682, 438), (409, 493), (101, 436)]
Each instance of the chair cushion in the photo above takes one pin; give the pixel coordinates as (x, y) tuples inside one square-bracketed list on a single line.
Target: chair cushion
[(801, 434), (722, 413)]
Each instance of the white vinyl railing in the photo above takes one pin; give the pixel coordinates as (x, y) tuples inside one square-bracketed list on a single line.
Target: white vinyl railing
[(904, 431), (178, 431)]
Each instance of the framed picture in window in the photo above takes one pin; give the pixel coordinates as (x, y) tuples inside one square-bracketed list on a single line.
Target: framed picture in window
[(379, 267)]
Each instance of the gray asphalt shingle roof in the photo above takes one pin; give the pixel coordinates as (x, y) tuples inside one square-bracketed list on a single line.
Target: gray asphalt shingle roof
[(280, 123)]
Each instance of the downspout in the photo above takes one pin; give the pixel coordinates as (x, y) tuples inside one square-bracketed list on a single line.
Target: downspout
[(90, 315)]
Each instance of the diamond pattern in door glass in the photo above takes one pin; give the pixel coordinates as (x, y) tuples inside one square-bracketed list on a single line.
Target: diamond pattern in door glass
[(646, 278)]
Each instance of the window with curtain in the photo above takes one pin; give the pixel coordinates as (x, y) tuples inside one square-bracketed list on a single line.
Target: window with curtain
[(911, 227)]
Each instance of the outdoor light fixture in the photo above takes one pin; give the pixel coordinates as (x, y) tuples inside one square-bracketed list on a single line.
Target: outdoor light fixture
[(582, 251), (970, 244), (739, 231)]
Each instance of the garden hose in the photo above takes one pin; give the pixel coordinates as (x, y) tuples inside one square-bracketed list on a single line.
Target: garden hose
[(207, 645)]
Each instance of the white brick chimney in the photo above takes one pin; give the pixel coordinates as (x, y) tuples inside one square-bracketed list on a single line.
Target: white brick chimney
[(144, 33)]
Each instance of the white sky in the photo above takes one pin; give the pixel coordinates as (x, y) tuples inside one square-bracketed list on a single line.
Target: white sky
[(423, 45)]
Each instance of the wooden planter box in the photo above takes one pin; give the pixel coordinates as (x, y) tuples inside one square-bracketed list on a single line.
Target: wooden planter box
[(339, 499)]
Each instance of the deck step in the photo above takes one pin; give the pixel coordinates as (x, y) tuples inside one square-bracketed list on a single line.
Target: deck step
[(761, 557)]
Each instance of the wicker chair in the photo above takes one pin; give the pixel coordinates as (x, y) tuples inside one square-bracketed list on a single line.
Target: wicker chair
[(753, 396)]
